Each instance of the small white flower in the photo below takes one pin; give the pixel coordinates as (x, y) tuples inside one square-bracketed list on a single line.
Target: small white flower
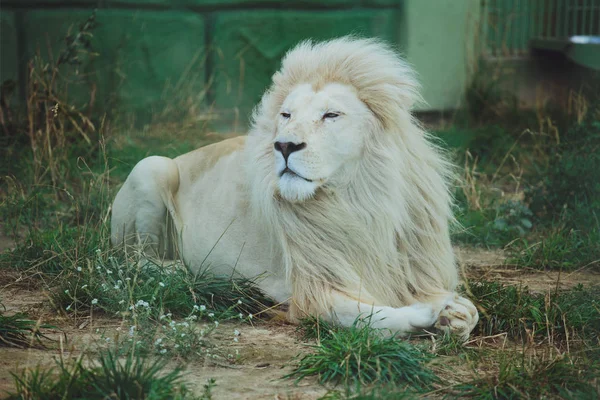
[(239, 302), (202, 308), (240, 315), (107, 339), (235, 339), (162, 317), (250, 316), (116, 287), (84, 286), (183, 334), (158, 341), (169, 315), (97, 250), (79, 269), (108, 271), (68, 307), (131, 330), (67, 291), (95, 301), (211, 314), (216, 323), (163, 351), (236, 332), (161, 284), (142, 303), (127, 279)]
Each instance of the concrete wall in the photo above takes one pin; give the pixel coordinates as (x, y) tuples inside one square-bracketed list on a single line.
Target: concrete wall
[(220, 55)]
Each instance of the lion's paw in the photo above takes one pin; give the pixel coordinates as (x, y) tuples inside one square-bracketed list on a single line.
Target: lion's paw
[(459, 317), (423, 316)]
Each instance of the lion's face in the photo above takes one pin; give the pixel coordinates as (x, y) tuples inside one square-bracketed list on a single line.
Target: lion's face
[(320, 137)]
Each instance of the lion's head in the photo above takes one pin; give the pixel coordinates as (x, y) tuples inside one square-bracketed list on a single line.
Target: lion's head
[(319, 138), (345, 178), (327, 102)]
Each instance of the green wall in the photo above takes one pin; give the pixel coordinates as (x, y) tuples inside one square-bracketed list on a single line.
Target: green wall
[(217, 57)]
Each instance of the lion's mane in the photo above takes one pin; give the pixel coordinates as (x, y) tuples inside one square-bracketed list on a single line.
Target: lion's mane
[(383, 236)]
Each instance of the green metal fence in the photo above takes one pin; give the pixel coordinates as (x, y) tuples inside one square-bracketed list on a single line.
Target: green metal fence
[(509, 26)]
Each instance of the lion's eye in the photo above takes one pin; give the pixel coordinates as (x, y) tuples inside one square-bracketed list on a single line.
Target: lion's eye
[(331, 115), (286, 115)]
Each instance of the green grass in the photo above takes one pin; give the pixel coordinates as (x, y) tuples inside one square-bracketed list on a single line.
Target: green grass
[(496, 225), (106, 377), (362, 355), (525, 377), (551, 316), (18, 330), (559, 249), (115, 284)]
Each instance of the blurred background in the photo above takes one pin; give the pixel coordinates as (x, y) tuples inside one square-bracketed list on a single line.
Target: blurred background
[(210, 60), (510, 88)]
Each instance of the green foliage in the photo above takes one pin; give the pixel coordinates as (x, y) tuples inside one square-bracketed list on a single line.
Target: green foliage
[(570, 188), (133, 378), (559, 249), (115, 285), (567, 201), (362, 355), (451, 345), (377, 392), (496, 225), (316, 328), (522, 314), (521, 377), (19, 331)]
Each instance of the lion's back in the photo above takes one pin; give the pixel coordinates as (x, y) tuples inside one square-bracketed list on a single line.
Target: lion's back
[(198, 162)]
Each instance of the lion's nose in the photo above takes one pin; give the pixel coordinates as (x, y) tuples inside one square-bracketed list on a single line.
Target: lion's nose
[(288, 148)]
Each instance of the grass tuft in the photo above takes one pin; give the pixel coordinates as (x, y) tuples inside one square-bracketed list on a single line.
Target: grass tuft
[(524, 315), (132, 378), (521, 377), (362, 355), (18, 331)]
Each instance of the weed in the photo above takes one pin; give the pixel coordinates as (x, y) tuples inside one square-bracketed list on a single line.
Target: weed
[(525, 315), (495, 225), (559, 249), (316, 328), (379, 392), (208, 387), (450, 345), (134, 378), (361, 354), (116, 285), (19, 331), (522, 377)]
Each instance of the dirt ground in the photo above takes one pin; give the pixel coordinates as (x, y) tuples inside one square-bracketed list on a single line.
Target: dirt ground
[(265, 350)]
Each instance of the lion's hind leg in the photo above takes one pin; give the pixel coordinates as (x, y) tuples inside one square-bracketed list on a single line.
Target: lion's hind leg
[(144, 213)]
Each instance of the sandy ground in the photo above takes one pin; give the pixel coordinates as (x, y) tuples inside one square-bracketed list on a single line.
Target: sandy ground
[(266, 350)]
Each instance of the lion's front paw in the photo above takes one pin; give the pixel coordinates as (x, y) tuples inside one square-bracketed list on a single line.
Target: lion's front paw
[(459, 316)]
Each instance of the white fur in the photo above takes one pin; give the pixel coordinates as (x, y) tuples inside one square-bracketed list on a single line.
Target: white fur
[(361, 224)]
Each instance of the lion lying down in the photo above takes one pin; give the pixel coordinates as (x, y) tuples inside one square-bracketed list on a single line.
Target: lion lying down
[(336, 196)]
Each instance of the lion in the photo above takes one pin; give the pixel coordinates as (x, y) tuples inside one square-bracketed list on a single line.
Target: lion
[(336, 196)]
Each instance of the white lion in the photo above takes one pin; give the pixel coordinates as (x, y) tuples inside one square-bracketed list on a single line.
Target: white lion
[(336, 196)]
